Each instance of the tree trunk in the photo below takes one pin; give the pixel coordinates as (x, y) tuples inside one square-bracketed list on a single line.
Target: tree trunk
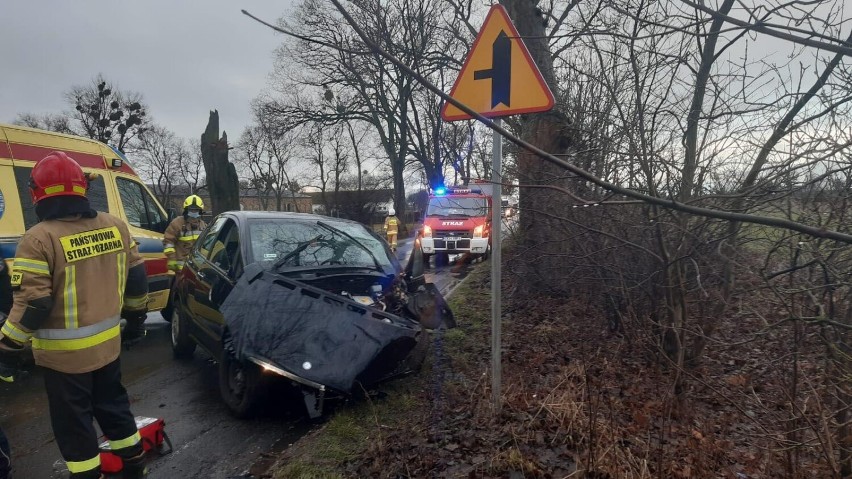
[(550, 132), (222, 181)]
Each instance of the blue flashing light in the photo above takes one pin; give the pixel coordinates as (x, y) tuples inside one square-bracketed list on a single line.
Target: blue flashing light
[(440, 191)]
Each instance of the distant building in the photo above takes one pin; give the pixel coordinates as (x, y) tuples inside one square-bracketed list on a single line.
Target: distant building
[(253, 200), (250, 199)]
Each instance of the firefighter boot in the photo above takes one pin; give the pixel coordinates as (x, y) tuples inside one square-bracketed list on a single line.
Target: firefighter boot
[(134, 467)]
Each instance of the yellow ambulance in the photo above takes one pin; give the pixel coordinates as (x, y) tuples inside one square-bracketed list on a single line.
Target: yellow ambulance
[(117, 190)]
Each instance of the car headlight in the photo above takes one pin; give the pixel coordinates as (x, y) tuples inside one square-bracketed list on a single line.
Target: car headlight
[(427, 231), (477, 232)]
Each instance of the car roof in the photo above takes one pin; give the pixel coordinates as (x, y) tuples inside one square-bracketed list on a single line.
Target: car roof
[(242, 216)]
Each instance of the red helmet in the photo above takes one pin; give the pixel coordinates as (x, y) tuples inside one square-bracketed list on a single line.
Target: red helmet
[(57, 174)]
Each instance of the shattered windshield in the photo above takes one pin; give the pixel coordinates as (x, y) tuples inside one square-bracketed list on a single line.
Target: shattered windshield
[(303, 244), (449, 206)]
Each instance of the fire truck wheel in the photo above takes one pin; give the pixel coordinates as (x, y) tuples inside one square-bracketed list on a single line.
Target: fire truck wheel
[(182, 345), (426, 258), (241, 385), (487, 253)]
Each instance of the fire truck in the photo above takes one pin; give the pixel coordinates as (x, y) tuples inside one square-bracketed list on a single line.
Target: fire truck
[(457, 221)]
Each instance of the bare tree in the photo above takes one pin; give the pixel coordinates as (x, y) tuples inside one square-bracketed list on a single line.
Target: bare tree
[(328, 153), (363, 87), (104, 113), (99, 111), (49, 121), (192, 167), (162, 156), (266, 157)]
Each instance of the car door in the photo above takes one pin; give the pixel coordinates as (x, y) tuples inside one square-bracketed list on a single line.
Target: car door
[(197, 279), (225, 263)]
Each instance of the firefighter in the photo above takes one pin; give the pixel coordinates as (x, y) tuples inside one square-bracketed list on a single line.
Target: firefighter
[(392, 228), (182, 232), (9, 372), (75, 274), (5, 288), (9, 363)]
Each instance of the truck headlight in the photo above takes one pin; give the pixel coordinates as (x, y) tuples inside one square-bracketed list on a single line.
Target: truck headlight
[(477, 232), (427, 231)]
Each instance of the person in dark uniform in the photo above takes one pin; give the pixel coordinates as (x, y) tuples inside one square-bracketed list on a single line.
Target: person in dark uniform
[(8, 372)]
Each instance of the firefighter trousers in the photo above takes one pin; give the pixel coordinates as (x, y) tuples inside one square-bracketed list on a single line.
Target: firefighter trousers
[(75, 400)]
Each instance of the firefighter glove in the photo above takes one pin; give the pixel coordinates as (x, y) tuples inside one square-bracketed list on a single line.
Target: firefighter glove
[(9, 345), (10, 374)]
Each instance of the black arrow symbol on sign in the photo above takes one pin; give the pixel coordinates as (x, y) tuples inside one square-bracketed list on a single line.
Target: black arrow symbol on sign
[(500, 72)]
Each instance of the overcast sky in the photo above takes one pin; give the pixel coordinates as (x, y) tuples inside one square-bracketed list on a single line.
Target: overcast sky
[(185, 57)]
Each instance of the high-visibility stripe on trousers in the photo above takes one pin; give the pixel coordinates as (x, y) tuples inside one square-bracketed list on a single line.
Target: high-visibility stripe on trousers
[(76, 399)]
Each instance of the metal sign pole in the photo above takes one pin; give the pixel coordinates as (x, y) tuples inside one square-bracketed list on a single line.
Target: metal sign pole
[(496, 221)]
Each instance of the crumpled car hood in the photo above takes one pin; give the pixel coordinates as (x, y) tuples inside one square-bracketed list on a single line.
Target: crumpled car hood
[(312, 334)]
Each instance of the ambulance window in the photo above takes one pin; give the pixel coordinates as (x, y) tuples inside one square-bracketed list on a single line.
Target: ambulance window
[(22, 178), (139, 207), (96, 194)]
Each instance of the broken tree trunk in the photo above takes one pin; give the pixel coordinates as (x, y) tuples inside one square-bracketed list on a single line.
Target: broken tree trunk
[(222, 181)]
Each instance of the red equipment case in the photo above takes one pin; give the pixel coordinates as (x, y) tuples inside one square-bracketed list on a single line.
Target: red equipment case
[(153, 435)]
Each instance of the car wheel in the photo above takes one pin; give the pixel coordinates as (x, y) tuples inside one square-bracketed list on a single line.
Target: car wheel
[(182, 345), (241, 384)]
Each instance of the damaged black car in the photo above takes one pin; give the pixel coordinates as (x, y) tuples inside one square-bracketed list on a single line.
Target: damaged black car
[(320, 302)]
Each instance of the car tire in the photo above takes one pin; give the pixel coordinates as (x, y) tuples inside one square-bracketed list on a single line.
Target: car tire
[(182, 345), (169, 309), (241, 385)]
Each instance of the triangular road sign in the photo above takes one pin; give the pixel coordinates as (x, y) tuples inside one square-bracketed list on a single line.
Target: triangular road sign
[(499, 78)]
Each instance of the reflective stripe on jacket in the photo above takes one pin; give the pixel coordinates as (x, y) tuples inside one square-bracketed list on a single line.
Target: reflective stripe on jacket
[(180, 236), (82, 265)]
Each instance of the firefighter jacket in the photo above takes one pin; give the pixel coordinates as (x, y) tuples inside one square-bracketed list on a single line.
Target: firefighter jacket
[(179, 238), (72, 277), (391, 224)]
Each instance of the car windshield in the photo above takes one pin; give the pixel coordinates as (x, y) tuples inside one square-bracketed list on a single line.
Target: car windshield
[(310, 243), (453, 206)]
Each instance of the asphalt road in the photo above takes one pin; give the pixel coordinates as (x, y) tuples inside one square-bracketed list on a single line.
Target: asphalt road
[(208, 441)]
